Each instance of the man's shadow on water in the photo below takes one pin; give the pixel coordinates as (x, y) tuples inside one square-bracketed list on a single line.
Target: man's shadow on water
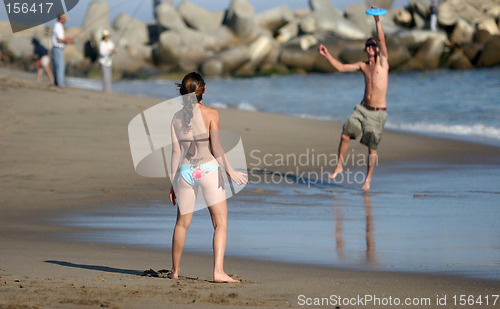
[(99, 268)]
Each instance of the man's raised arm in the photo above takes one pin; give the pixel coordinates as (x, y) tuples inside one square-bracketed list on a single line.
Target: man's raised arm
[(380, 37)]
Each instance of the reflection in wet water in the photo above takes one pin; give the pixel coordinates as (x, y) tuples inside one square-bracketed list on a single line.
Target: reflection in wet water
[(370, 240)]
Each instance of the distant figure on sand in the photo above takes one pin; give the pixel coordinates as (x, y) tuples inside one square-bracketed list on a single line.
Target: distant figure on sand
[(59, 41), (368, 118), (106, 51), (42, 61), (197, 161)]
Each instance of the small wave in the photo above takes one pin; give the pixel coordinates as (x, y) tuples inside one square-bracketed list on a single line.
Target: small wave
[(83, 83), (244, 106), (469, 130), (218, 105), (316, 117)]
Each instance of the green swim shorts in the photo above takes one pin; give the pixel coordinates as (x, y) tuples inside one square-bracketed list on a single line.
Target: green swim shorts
[(367, 123)]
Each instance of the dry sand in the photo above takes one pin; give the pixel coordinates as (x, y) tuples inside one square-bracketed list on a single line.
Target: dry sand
[(63, 151)]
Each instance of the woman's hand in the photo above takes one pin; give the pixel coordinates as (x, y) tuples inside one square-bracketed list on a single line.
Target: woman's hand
[(172, 196), (239, 177)]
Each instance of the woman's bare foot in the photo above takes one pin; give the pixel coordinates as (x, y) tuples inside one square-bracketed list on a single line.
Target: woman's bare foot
[(337, 171), (224, 278), (173, 275), (366, 185)]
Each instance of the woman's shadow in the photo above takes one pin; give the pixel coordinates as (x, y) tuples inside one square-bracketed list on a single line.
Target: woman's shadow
[(163, 273), (99, 268)]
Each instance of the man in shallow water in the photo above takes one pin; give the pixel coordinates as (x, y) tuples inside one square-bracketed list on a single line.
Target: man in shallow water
[(368, 118)]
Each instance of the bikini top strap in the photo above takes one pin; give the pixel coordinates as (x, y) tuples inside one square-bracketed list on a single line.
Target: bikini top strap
[(192, 146)]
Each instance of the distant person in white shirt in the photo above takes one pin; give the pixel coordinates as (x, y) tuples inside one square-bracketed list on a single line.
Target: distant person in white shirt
[(106, 51), (59, 41)]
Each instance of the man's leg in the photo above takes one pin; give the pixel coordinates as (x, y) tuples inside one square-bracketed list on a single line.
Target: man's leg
[(343, 147), (372, 161), (58, 59)]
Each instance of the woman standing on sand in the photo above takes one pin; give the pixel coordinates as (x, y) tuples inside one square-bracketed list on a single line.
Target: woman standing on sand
[(106, 51), (197, 161)]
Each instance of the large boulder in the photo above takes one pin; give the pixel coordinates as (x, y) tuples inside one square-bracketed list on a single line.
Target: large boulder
[(20, 46), (419, 21), (355, 13), (295, 57), (462, 33), (97, 17), (451, 11), (304, 41), (421, 7), (416, 38), (489, 25), (458, 61), (482, 36), (226, 61), (257, 51), (307, 24), (447, 15), (403, 17), (430, 53), (82, 40), (241, 19), (72, 56), (142, 52), (274, 19), (199, 18), (168, 50), (127, 65), (398, 54), (224, 38), (472, 51), (130, 30), (185, 49), (489, 7), (490, 55), (353, 54), (5, 30), (168, 18), (287, 32), (386, 4), (330, 19)]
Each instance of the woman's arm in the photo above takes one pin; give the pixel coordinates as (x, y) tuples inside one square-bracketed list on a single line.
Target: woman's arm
[(218, 150), (176, 154), (174, 162)]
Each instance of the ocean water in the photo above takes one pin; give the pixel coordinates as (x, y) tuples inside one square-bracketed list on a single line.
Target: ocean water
[(419, 217), (454, 104)]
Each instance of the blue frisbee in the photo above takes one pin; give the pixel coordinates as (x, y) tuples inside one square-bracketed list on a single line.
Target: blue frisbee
[(376, 11)]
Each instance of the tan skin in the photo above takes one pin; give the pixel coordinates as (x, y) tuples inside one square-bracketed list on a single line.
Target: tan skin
[(376, 73), (218, 212)]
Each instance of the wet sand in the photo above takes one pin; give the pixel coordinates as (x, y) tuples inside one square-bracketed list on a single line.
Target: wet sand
[(65, 151)]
